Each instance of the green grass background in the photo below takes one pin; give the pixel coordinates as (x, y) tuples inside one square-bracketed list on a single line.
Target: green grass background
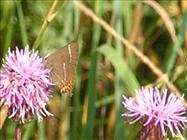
[(106, 69)]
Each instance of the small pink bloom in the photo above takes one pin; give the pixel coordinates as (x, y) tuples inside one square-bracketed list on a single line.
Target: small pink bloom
[(159, 107), (25, 85)]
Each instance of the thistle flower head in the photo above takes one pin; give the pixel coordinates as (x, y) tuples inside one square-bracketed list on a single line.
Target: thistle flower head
[(159, 107), (25, 85)]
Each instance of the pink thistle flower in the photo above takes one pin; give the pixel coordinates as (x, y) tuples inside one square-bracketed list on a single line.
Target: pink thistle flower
[(156, 107), (25, 85)]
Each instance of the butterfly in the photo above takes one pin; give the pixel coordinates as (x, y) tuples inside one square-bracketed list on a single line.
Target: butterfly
[(63, 65)]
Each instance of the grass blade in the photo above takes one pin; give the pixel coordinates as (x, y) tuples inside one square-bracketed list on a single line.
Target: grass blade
[(93, 73), (172, 53), (119, 64), (22, 24)]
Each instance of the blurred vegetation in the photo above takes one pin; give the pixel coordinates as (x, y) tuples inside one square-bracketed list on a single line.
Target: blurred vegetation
[(106, 68)]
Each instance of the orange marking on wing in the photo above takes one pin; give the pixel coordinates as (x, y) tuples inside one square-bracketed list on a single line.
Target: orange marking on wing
[(67, 87)]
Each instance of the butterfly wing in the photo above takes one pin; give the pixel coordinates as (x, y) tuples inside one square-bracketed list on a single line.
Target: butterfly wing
[(63, 64)]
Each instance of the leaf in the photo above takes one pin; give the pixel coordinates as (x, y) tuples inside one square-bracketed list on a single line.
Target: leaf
[(125, 73)]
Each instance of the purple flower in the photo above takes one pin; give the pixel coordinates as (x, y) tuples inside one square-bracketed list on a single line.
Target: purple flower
[(159, 107), (25, 85)]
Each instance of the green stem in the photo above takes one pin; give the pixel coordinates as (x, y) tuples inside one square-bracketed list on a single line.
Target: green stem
[(50, 16)]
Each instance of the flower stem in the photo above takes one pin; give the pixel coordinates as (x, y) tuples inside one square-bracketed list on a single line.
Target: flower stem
[(18, 132)]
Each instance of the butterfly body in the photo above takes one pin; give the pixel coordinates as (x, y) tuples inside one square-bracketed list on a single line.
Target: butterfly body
[(63, 64)]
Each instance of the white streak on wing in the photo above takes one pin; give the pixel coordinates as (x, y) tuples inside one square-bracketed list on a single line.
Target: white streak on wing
[(64, 68), (70, 54)]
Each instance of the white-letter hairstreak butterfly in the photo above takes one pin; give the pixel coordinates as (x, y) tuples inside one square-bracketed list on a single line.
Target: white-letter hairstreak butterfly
[(63, 64)]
